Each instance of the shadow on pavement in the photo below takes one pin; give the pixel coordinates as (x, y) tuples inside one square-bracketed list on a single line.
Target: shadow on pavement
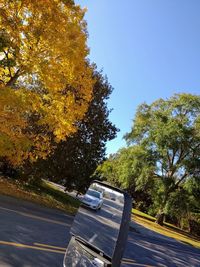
[(149, 248)]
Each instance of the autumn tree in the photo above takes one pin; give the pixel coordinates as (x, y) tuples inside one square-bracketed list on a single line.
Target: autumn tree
[(45, 78), (169, 132), (75, 159)]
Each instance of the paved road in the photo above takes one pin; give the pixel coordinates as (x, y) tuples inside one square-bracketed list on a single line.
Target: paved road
[(148, 248), (28, 224), (33, 236)]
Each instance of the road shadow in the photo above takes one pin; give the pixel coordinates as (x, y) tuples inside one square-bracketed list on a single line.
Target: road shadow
[(24, 223), (148, 248)]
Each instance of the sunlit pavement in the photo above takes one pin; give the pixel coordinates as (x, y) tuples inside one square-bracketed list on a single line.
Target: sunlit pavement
[(32, 236)]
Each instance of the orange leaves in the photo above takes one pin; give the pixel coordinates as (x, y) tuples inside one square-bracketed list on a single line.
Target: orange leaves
[(46, 40), (12, 139)]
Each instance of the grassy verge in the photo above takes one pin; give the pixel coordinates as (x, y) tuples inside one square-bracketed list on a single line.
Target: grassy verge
[(143, 215), (43, 194), (167, 229)]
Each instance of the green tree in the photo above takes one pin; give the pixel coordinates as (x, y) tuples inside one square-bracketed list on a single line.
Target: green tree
[(130, 169), (75, 160), (169, 130), (108, 171)]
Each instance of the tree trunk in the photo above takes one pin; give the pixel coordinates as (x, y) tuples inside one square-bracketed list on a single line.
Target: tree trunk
[(161, 214), (13, 79), (160, 218), (194, 227)]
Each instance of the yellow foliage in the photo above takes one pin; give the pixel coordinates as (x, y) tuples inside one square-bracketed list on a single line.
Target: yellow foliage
[(43, 70)]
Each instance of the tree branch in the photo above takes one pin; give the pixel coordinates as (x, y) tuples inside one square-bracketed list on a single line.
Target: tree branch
[(13, 79), (1, 81), (181, 179), (169, 159), (174, 165), (6, 54), (193, 149), (174, 154), (157, 175)]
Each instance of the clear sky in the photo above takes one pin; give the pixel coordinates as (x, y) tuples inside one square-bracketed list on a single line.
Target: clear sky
[(148, 49)]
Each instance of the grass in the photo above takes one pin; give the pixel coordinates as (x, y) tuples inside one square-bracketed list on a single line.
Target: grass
[(44, 194), (143, 215), (167, 229)]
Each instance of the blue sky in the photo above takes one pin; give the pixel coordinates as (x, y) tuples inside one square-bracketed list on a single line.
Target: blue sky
[(148, 49)]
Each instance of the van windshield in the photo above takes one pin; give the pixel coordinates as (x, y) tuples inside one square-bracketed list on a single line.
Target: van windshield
[(93, 193)]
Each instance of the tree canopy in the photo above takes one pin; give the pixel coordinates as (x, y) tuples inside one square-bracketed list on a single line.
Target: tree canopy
[(45, 78), (170, 131), (164, 153), (75, 159)]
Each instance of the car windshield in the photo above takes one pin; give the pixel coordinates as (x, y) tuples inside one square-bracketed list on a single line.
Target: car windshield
[(93, 193)]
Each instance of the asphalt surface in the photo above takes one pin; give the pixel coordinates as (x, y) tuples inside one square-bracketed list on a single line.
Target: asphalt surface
[(34, 236), (23, 223)]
